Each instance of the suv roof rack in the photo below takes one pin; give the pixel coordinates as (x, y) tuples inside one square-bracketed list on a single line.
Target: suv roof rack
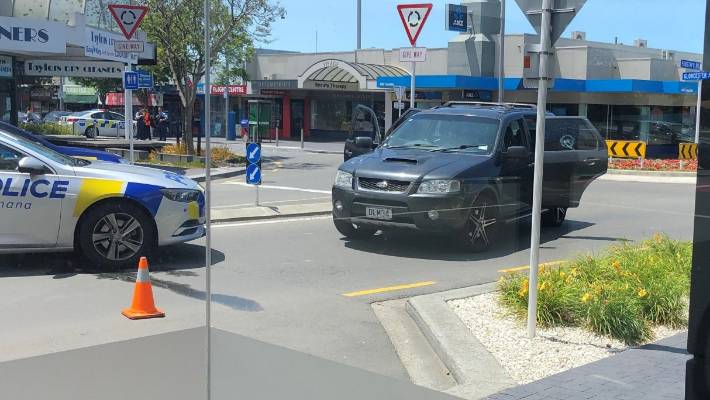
[(489, 104)]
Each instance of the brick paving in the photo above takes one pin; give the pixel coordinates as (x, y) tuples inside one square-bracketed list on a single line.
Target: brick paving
[(652, 372)]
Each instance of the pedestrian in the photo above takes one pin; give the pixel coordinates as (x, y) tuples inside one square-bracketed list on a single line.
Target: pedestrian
[(148, 124), (140, 126), (161, 124)]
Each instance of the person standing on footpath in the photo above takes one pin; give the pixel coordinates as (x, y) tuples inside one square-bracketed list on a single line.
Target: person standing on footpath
[(161, 124)]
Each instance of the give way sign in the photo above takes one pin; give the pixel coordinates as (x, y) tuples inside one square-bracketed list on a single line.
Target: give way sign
[(128, 17), (413, 18)]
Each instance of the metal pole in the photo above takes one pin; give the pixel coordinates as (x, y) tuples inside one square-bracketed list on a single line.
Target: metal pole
[(257, 195), (61, 93), (208, 201), (697, 111), (226, 102), (277, 134), (545, 50), (359, 24), (501, 55), (301, 138), (413, 84), (128, 116)]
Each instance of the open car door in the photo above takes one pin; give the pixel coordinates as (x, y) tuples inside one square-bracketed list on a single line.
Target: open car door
[(365, 134)]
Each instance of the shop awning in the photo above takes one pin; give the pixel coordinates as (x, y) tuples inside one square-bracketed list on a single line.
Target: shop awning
[(332, 74), (80, 99)]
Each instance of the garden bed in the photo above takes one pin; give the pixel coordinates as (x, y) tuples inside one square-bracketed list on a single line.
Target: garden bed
[(653, 165), (588, 308)]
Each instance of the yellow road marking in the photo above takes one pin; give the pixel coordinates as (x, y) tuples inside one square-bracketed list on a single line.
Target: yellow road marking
[(389, 289), (524, 267)]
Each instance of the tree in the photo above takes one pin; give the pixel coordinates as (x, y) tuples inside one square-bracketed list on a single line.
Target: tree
[(103, 86), (176, 26)]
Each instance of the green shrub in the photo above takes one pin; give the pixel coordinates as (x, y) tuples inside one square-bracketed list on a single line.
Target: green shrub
[(48, 129), (621, 293)]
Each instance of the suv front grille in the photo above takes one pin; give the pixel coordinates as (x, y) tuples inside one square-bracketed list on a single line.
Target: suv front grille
[(383, 185)]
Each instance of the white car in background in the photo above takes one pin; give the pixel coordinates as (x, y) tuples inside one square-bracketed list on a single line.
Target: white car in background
[(111, 213), (94, 123)]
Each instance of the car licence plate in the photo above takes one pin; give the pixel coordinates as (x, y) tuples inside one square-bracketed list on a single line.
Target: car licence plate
[(378, 213)]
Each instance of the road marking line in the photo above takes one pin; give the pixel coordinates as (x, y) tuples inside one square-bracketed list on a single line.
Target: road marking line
[(269, 202), (389, 289), (294, 189), (524, 267), (271, 221)]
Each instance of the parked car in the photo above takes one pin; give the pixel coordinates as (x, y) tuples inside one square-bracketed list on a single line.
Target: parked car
[(54, 116), (94, 123), (110, 213), (465, 169), (77, 152)]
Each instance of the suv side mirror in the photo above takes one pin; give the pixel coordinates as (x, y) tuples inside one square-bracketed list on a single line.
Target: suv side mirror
[(31, 166), (364, 142), (517, 153)]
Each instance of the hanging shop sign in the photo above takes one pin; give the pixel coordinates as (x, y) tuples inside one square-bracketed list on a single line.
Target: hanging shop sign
[(30, 35), (102, 44)]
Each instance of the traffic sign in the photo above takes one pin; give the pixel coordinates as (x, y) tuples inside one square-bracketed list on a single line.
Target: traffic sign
[(253, 174), (696, 76), (687, 64), (399, 92), (145, 80), (254, 152), (414, 17), (129, 46), (412, 54), (626, 149), (687, 151), (130, 80), (563, 12), (128, 17), (399, 105)]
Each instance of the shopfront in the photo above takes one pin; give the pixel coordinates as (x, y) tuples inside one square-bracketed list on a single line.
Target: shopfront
[(8, 107)]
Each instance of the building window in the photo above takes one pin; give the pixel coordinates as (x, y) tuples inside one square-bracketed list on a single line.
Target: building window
[(331, 114)]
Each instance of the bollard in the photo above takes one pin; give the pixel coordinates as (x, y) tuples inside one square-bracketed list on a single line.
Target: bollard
[(301, 138), (277, 136)]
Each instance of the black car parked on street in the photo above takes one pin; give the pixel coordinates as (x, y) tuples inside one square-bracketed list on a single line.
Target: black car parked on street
[(466, 169)]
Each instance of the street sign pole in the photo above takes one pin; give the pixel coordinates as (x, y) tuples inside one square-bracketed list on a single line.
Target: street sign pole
[(501, 54), (208, 205), (697, 111), (413, 84), (128, 117), (413, 17), (545, 51)]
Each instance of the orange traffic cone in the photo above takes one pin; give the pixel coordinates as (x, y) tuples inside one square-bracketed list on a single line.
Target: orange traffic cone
[(143, 305)]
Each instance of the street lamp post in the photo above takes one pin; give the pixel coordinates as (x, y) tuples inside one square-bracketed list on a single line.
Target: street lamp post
[(208, 214)]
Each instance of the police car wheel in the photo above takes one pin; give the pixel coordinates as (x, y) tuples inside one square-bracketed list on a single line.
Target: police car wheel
[(115, 234), (91, 132)]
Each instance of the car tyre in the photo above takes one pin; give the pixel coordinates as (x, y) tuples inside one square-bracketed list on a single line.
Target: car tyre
[(482, 225), (91, 132), (115, 234), (353, 231), (554, 216)]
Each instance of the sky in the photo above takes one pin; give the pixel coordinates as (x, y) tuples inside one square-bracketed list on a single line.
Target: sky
[(666, 24)]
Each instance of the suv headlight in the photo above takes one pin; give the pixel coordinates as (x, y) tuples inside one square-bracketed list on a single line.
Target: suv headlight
[(439, 186), (344, 180), (181, 195)]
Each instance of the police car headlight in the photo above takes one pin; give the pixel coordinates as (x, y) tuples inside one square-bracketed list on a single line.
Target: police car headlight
[(439, 186), (344, 180), (181, 195)]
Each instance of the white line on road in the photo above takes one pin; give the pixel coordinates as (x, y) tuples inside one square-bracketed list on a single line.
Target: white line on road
[(294, 189), (271, 221), (271, 202)]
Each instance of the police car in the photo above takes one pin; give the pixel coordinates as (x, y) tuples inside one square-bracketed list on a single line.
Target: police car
[(111, 213), (93, 123)]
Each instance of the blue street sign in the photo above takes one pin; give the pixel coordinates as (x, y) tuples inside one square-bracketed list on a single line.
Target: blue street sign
[(130, 80), (145, 80), (696, 76), (245, 123), (687, 64), (456, 18), (253, 174), (253, 153)]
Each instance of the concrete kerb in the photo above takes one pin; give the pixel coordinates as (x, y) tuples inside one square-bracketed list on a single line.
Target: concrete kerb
[(218, 173), (476, 371), (676, 174)]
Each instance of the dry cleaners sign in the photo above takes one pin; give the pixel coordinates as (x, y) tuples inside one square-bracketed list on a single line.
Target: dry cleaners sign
[(29, 35), (101, 44), (84, 69)]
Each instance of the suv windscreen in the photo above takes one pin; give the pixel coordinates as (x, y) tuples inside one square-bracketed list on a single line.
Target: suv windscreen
[(446, 132)]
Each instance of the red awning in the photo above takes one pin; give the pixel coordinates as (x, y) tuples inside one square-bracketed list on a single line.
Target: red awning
[(116, 99)]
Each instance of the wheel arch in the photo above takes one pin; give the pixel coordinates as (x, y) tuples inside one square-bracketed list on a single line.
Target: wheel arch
[(114, 200)]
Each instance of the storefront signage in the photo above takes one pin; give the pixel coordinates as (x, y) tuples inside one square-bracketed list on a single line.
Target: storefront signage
[(75, 90), (84, 69), (326, 85), (456, 18), (412, 54), (218, 90), (482, 95), (268, 92), (30, 35), (5, 67), (274, 84), (101, 44)]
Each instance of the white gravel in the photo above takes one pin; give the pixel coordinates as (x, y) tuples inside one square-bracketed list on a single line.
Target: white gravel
[(552, 351)]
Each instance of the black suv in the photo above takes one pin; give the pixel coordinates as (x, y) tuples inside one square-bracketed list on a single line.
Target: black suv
[(465, 169)]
